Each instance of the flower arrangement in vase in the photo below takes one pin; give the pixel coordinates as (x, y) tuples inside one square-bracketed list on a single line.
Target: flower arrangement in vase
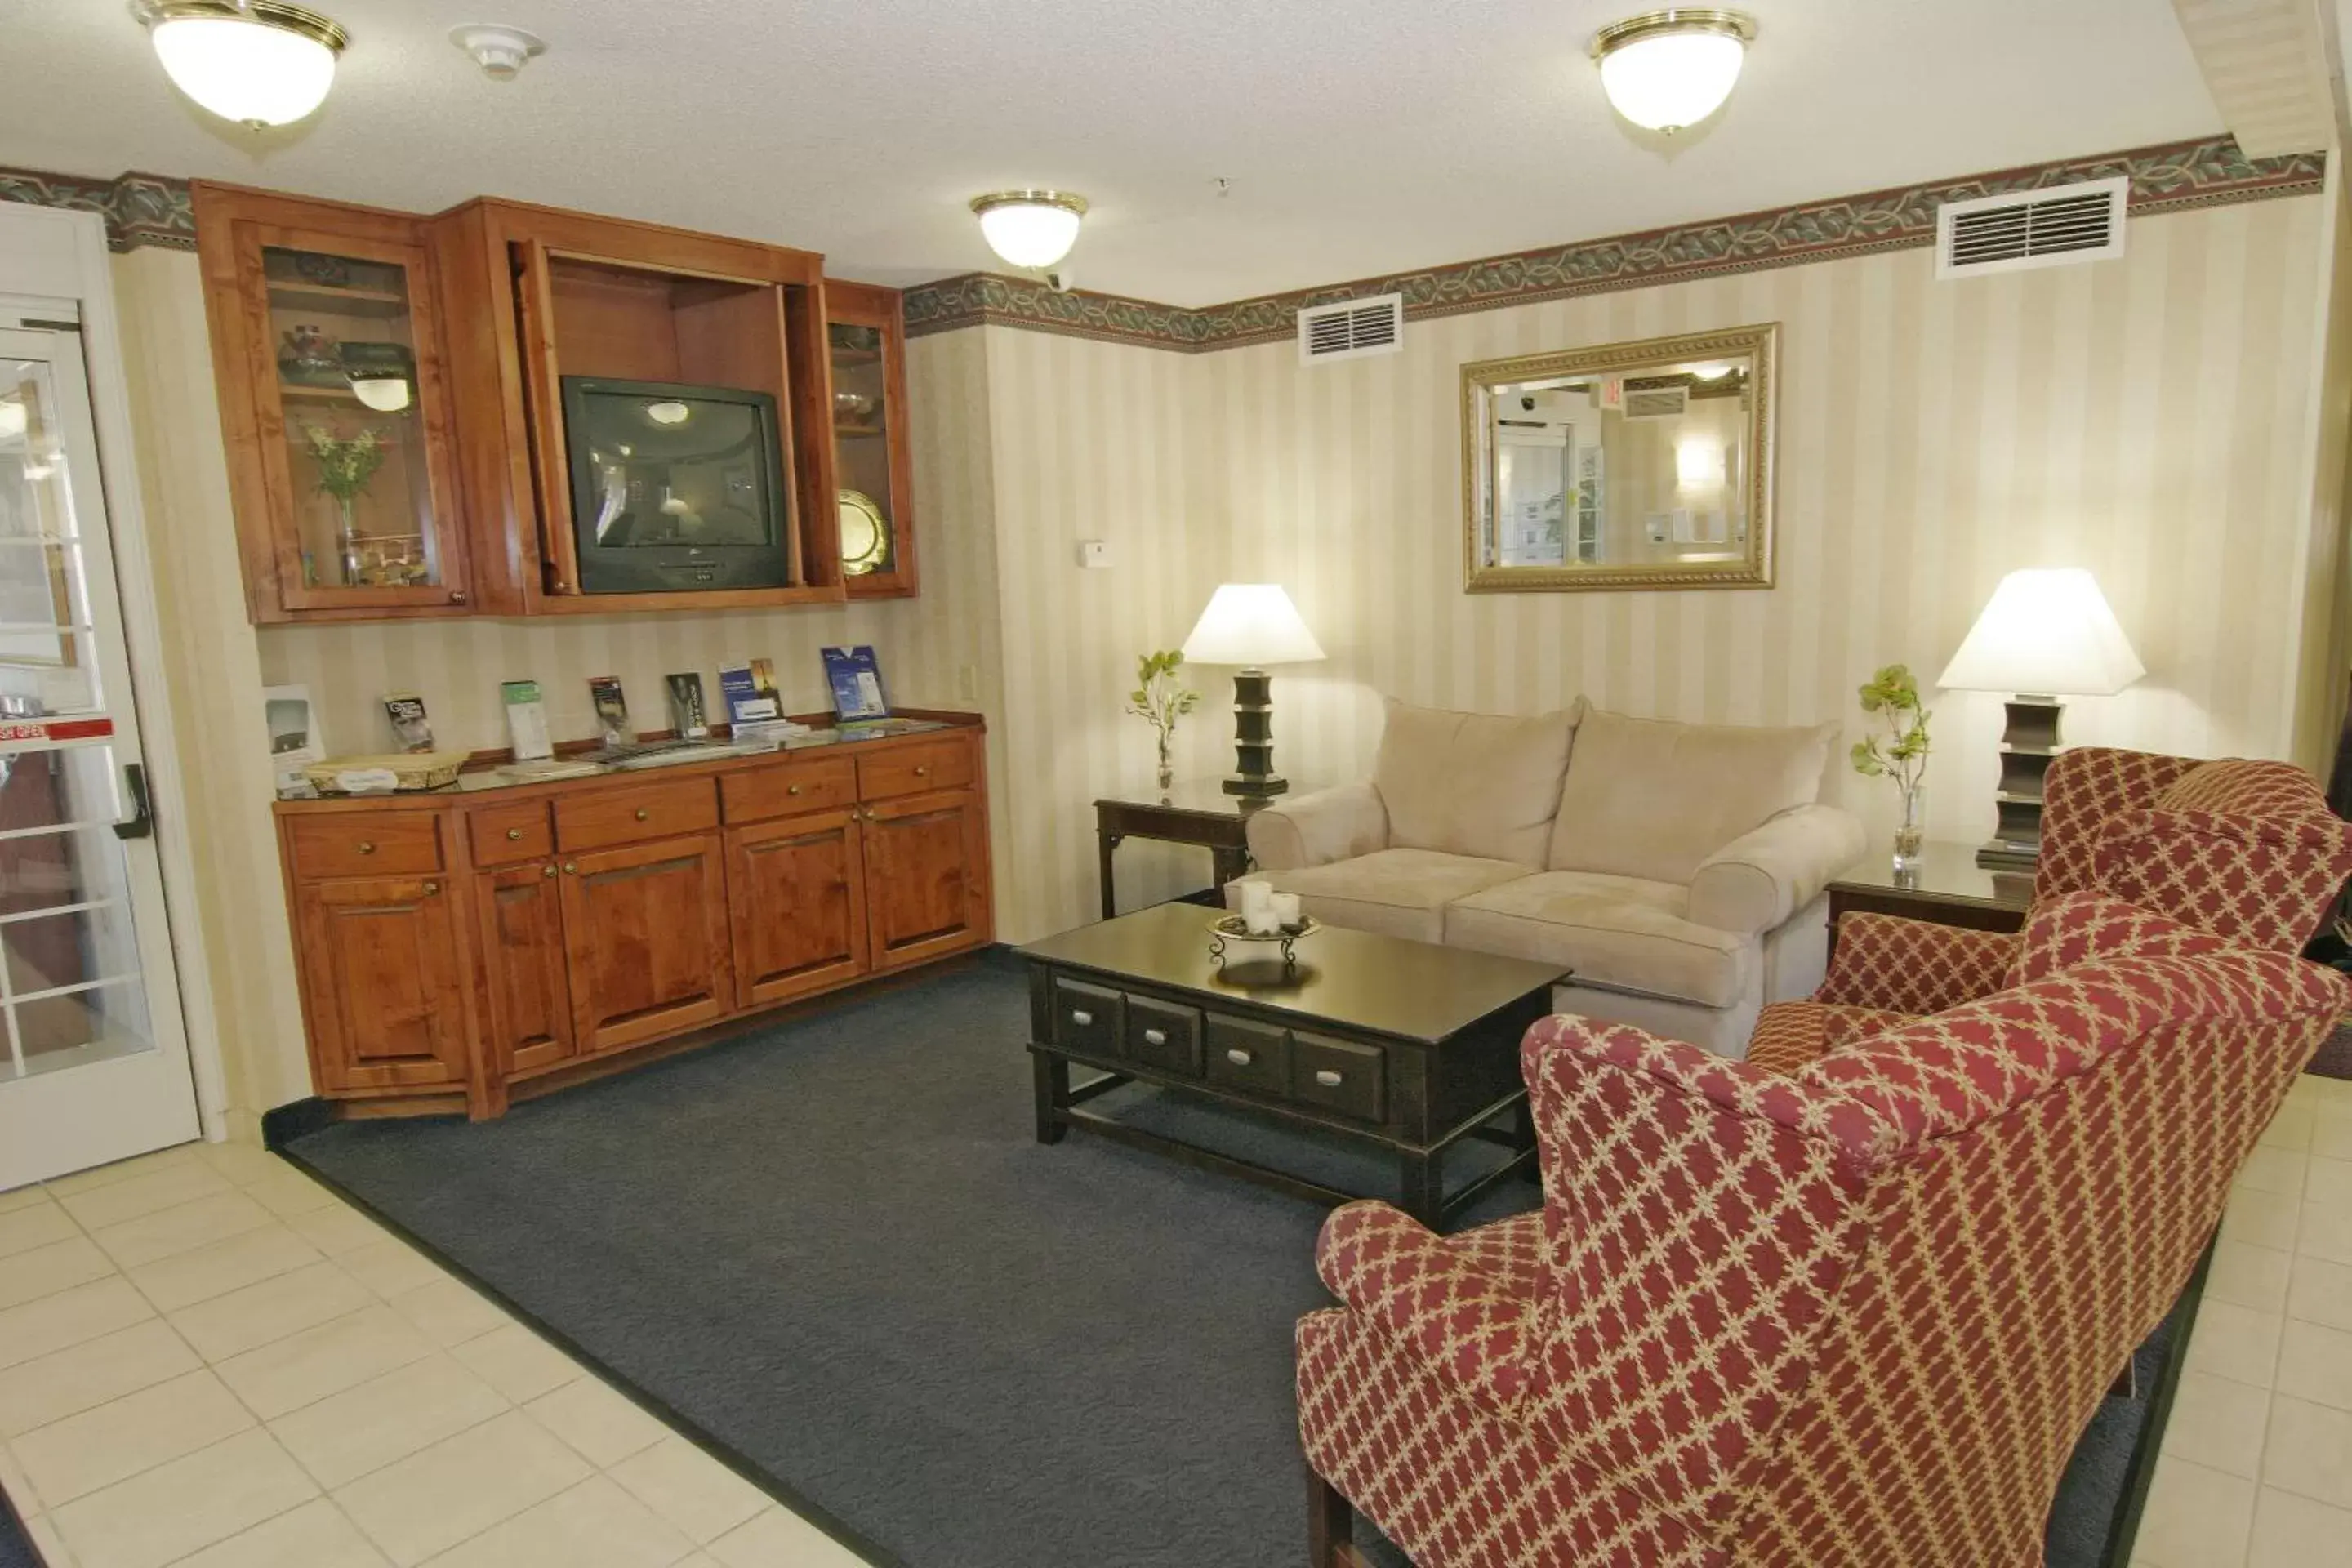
[(346, 464), (1901, 755), (1161, 699)]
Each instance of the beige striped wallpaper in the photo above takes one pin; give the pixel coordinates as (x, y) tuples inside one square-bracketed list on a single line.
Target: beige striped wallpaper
[(2153, 418)]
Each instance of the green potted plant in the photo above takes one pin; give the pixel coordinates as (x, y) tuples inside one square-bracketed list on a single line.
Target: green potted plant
[(346, 464), (1159, 698), (1900, 754)]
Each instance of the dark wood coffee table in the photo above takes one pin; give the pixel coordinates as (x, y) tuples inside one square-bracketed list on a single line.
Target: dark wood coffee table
[(1406, 1045)]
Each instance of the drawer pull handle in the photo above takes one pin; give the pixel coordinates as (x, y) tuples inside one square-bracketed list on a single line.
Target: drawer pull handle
[(922, 770), (1327, 1079), (1155, 1037), (643, 814), (367, 846), (572, 868), (1239, 1057), (513, 834), (791, 789), (431, 889), (1081, 1017), (548, 869)]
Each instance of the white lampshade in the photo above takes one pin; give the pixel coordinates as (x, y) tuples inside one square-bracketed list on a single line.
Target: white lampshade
[(1251, 623), (1670, 69), (252, 61), (1030, 228), (2046, 630)]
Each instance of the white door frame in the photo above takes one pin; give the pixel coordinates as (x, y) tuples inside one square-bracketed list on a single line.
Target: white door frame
[(54, 253)]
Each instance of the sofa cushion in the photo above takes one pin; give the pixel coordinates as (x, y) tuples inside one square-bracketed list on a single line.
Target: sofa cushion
[(1612, 931), (1397, 892), (1473, 784), (1651, 798)]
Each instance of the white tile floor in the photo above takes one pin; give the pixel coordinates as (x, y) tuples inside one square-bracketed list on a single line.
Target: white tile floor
[(208, 1359), (2256, 1469)]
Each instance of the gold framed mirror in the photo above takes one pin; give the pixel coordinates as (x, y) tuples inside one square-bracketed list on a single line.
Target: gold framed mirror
[(1636, 464)]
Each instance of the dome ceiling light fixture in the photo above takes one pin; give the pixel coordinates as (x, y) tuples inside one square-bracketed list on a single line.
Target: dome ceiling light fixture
[(1032, 230), (1665, 70), (257, 62)]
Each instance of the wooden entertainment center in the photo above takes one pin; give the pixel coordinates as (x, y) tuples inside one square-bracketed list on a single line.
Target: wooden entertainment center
[(458, 946)]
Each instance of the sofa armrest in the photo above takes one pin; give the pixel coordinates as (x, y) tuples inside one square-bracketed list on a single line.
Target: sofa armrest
[(1760, 878), (1913, 967), (1319, 829)]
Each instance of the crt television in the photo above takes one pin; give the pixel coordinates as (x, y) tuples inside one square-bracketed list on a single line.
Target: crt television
[(676, 486)]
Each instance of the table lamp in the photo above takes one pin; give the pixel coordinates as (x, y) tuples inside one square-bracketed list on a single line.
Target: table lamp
[(1252, 624), (2044, 633)]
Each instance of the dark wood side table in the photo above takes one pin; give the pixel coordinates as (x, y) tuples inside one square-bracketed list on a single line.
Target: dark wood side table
[(1949, 889), (1196, 811)]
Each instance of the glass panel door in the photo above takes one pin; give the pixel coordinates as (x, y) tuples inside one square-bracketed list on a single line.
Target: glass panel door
[(862, 421), (93, 1063)]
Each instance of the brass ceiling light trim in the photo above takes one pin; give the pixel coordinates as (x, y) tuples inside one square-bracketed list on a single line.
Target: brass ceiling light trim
[(1737, 25), (295, 20), (1030, 228)]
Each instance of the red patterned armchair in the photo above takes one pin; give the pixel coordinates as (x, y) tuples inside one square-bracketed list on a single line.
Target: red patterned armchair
[(1851, 1318), (2247, 850)]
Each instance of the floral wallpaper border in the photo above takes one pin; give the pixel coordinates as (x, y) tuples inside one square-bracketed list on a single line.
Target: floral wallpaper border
[(138, 209), (2164, 179)]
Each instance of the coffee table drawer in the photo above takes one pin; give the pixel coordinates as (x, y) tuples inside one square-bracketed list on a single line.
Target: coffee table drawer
[(1337, 1076), (1086, 1018), (1249, 1055), (1160, 1035)]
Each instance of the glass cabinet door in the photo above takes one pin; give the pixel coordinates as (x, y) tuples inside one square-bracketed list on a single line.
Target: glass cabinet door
[(872, 465), (359, 453)]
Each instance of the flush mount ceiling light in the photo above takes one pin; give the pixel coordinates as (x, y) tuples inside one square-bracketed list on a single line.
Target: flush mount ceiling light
[(256, 62), (668, 413), (384, 393), (1030, 228), (1666, 69)]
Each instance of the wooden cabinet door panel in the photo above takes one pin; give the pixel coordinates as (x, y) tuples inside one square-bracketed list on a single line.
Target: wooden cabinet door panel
[(646, 925), (526, 984), (382, 982), (796, 893), (924, 894)]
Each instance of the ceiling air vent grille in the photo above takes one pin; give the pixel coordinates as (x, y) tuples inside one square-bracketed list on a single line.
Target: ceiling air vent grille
[(1351, 329), (2032, 228), (1656, 402)]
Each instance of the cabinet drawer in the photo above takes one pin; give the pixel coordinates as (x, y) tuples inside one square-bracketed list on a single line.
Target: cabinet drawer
[(1337, 1076), (915, 770), (358, 844), (1086, 1017), (1249, 1055), (758, 793), (629, 815), (502, 834), (1164, 1036)]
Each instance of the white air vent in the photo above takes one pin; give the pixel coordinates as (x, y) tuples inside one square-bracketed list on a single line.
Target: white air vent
[(1351, 329), (2032, 228), (1656, 402)]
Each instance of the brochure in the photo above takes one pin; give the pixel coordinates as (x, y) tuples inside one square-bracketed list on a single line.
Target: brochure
[(687, 715), (526, 720), (406, 712), (612, 710), (855, 678), (749, 691)]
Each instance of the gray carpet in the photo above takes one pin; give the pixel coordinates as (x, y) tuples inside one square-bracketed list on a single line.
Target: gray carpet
[(833, 1249)]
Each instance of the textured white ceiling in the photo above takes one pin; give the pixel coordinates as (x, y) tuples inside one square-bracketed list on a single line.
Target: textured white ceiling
[(1360, 137)]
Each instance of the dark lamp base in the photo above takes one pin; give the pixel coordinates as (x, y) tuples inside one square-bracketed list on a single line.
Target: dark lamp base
[(1254, 774)]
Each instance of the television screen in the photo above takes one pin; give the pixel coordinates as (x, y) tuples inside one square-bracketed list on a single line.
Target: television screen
[(676, 486)]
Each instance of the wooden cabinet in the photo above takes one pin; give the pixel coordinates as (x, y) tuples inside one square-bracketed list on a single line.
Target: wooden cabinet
[(331, 354), (797, 892), (467, 942), (873, 459), (525, 967), (926, 877), (646, 927), (383, 983)]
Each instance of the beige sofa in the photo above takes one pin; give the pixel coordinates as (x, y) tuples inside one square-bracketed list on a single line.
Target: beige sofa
[(1677, 869)]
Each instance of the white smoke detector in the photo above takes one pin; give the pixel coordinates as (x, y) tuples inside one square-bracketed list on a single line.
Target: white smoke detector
[(498, 49)]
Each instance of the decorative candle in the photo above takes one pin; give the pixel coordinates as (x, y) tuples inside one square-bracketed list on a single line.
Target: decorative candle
[(1285, 911), (1258, 909)]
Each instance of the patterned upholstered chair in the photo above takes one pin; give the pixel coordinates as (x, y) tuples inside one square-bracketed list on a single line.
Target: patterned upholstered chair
[(2248, 851), (1850, 1318)]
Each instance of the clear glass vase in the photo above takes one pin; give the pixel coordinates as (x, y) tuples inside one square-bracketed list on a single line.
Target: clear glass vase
[(1167, 767), (1911, 831)]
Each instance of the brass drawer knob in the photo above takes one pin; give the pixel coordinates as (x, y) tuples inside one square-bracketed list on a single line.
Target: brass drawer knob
[(791, 789), (431, 889), (572, 868), (514, 834), (1327, 1079), (457, 596), (548, 869), (1081, 1017), (643, 814), (1155, 1037), (1239, 1057), (367, 846), (922, 772)]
